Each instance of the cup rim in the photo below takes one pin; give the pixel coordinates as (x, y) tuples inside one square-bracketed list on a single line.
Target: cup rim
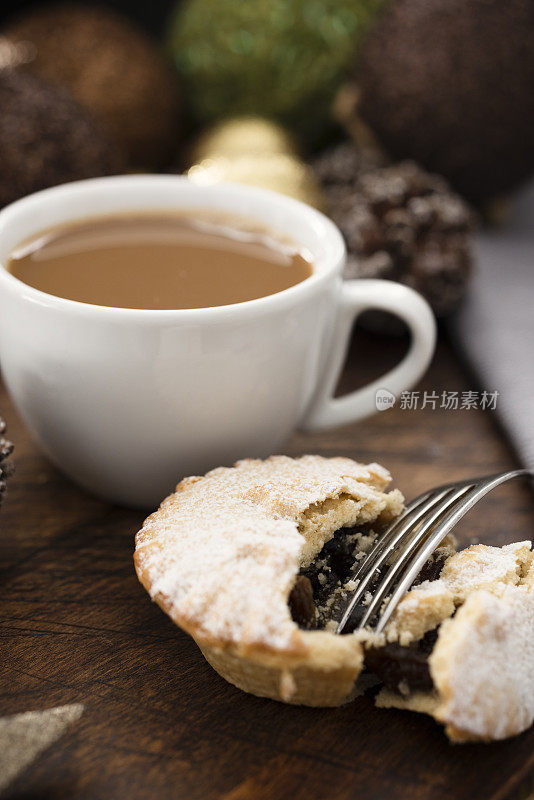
[(327, 229)]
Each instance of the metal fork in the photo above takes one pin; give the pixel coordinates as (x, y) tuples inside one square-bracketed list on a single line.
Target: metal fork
[(396, 558)]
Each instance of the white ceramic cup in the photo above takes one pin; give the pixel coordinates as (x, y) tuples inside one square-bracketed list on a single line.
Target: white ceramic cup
[(129, 401)]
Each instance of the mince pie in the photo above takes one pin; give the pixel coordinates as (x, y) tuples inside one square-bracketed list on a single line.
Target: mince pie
[(257, 561)]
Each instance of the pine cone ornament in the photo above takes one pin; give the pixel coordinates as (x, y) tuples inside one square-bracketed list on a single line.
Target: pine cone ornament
[(6, 467), (400, 223)]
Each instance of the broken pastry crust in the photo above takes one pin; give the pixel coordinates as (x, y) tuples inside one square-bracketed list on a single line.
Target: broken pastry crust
[(222, 553), (482, 665)]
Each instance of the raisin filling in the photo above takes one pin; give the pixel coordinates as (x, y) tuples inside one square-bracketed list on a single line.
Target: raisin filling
[(301, 602), (323, 590), (401, 667)]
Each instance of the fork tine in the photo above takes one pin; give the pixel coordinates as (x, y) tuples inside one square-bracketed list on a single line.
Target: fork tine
[(387, 543), (379, 552), (412, 533), (456, 511), (412, 547)]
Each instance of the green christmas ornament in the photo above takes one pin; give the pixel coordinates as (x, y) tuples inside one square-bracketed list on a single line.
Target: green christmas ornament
[(282, 59)]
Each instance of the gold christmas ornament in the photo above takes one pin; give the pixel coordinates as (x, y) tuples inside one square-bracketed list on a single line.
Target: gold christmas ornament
[(257, 151), (232, 138), (277, 171)]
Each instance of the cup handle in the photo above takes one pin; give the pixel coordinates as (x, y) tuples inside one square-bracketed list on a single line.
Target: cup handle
[(327, 411)]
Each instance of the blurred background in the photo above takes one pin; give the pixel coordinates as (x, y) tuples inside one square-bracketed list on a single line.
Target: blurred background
[(150, 16), (409, 122)]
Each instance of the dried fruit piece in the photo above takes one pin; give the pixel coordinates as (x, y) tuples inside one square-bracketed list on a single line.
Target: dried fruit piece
[(301, 602), (403, 667)]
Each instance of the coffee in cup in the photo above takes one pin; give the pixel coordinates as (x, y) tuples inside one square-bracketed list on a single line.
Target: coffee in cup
[(159, 261)]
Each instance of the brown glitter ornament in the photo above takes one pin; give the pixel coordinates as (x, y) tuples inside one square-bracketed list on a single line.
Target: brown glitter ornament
[(46, 138), (400, 223), (449, 83), (6, 467), (111, 68)]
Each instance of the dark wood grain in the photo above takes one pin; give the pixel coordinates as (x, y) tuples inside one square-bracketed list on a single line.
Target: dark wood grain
[(76, 626)]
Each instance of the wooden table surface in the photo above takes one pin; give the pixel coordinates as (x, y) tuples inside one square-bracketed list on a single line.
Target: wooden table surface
[(76, 626)]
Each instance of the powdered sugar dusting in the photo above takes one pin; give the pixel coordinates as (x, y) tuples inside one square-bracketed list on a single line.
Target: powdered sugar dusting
[(477, 567), (483, 663), (482, 567), (422, 609), (221, 554)]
